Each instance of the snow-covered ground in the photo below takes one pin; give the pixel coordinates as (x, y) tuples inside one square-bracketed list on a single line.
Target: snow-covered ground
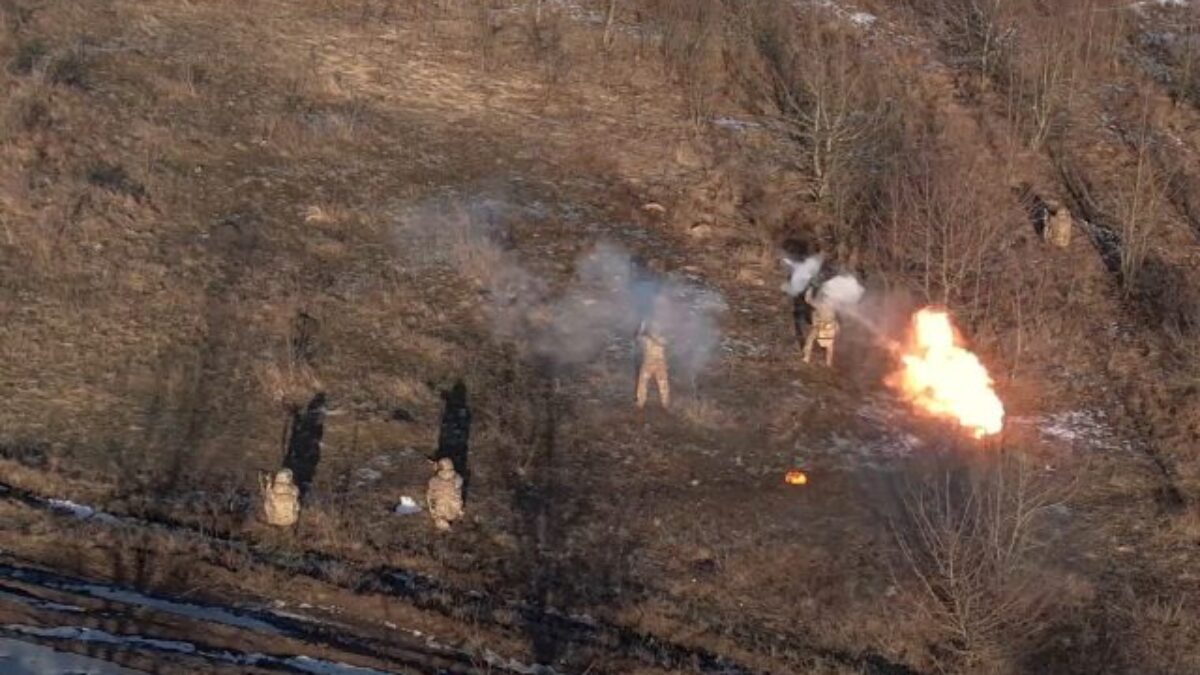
[(24, 658), (304, 664)]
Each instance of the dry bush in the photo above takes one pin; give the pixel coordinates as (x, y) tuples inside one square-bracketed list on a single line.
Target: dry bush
[(547, 38), (486, 26), (972, 548), (980, 33), (691, 37), (27, 111), (824, 96), (1044, 73), (289, 380), (1171, 296), (951, 242), (1039, 53), (1157, 634), (1174, 48), (1187, 73), (1140, 205)]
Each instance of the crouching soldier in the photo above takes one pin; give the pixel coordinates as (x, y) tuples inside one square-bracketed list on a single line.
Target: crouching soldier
[(281, 499), (654, 365), (1057, 225), (823, 329), (444, 497)]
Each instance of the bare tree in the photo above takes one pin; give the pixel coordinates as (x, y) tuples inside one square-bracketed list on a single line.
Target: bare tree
[(981, 32), (690, 36), (942, 235), (1046, 71), (1140, 205), (971, 544), (822, 90), (609, 17), (1187, 77)]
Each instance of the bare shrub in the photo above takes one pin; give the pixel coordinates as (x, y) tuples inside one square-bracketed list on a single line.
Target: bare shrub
[(947, 239), (1172, 299), (1161, 633), (547, 37), (972, 545), (1187, 75), (1045, 70), (1140, 206), (691, 33), (824, 96), (27, 111), (486, 25), (980, 32), (1175, 48)]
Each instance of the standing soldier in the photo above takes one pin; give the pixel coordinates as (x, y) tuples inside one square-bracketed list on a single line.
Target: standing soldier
[(281, 499), (824, 327), (444, 495), (1057, 225), (654, 363)]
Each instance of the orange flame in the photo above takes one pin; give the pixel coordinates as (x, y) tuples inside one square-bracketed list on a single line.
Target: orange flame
[(938, 375), (795, 477)]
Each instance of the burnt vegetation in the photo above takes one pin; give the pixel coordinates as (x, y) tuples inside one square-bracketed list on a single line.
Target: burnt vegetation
[(207, 273)]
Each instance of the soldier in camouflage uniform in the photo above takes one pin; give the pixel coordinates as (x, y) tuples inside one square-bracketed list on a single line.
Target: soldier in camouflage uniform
[(281, 499), (824, 329), (654, 365), (1057, 229), (444, 495)]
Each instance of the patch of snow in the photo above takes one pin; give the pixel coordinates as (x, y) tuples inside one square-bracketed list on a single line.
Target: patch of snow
[(1139, 6), (367, 475), (25, 658), (82, 634), (496, 661), (199, 612), (1086, 429), (304, 664), (734, 124), (318, 667), (184, 609), (863, 19), (860, 19), (38, 603), (78, 510), (731, 345), (407, 506)]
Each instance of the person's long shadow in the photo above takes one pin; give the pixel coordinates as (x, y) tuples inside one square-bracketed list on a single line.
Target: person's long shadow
[(454, 436), (801, 318), (303, 452)]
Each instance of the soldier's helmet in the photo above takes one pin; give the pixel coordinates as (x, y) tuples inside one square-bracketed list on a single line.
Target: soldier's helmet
[(283, 476)]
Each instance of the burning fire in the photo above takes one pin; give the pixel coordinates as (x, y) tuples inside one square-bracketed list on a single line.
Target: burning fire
[(941, 377), (796, 477)]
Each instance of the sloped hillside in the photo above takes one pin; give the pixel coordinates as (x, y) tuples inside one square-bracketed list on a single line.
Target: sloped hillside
[(393, 228)]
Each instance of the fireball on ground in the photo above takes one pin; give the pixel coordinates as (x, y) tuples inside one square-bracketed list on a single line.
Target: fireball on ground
[(796, 477), (940, 377)]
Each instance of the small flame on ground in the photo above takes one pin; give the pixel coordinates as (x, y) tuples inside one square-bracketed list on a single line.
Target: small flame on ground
[(941, 377), (795, 477)]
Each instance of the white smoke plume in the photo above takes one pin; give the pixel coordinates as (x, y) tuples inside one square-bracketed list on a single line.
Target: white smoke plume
[(599, 308), (843, 292), (802, 273)]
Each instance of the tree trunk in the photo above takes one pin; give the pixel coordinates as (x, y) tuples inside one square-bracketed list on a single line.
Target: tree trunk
[(608, 24)]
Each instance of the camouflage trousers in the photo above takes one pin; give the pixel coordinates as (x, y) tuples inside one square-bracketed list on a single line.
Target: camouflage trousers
[(654, 367), (823, 334)]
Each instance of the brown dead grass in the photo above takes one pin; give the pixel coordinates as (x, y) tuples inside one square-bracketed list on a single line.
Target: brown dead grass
[(147, 338)]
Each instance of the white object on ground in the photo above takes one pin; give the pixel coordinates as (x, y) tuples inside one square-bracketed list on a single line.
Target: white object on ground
[(407, 506)]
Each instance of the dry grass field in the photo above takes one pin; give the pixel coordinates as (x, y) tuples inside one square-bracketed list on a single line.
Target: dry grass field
[(216, 215)]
